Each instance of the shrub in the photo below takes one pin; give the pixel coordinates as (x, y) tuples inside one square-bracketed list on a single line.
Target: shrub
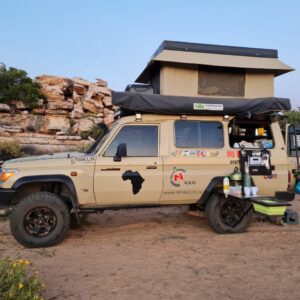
[(16, 85), (9, 150), (18, 281), (95, 132)]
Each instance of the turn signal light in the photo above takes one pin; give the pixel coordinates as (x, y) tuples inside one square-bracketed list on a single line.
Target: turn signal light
[(6, 174)]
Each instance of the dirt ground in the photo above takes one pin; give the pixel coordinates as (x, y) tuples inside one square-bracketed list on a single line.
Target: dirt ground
[(166, 253)]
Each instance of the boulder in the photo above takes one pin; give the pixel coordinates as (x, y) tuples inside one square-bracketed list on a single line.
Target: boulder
[(107, 101), (101, 82), (53, 93), (78, 80), (57, 112), (93, 106), (76, 98), (104, 90), (66, 105), (4, 108), (76, 113), (79, 89), (56, 123), (108, 120), (19, 104), (53, 80), (39, 111), (85, 125)]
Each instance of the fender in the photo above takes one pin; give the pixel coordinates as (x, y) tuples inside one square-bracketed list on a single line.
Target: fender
[(209, 189), (67, 181)]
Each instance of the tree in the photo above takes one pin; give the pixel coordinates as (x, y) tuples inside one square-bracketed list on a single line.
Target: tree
[(293, 117), (16, 85)]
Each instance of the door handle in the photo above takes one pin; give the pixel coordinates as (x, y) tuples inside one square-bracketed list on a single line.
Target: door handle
[(151, 167), (111, 169)]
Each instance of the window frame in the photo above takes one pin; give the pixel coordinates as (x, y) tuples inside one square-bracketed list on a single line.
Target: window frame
[(141, 125), (200, 121), (225, 71)]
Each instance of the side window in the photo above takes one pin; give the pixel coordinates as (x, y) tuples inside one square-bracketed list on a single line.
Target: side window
[(195, 134), (140, 141)]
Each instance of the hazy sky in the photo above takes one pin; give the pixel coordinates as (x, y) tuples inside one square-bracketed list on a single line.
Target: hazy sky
[(114, 40)]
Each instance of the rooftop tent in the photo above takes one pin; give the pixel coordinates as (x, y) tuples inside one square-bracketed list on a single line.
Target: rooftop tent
[(174, 105), (252, 59)]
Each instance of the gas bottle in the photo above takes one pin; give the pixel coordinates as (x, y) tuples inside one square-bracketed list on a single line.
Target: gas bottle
[(226, 186), (247, 177)]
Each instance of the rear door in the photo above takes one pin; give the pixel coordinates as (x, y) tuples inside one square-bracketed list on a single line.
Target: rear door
[(293, 146)]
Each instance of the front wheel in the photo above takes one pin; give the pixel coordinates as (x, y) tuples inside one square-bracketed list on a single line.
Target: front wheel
[(228, 215), (41, 219)]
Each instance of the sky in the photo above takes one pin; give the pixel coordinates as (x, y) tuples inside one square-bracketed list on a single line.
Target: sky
[(114, 40)]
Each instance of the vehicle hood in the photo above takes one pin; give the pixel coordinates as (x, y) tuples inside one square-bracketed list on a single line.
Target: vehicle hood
[(61, 155)]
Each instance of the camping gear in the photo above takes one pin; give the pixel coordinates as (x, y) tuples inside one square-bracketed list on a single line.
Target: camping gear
[(290, 217), (235, 190), (269, 207), (297, 189), (254, 191), (226, 186), (247, 177), (236, 175)]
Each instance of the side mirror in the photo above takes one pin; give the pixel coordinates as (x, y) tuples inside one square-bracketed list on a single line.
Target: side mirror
[(121, 152)]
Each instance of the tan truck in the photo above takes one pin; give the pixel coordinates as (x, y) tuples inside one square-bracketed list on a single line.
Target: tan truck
[(145, 159)]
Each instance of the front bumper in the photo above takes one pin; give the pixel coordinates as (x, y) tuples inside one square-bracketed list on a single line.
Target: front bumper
[(5, 197)]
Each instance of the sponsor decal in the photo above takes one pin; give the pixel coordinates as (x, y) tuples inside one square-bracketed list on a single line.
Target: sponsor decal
[(194, 153), (83, 160), (233, 154), (206, 106), (177, 178)]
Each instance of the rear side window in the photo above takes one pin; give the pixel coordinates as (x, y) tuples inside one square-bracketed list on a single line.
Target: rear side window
[(140, 141), (195, 134)]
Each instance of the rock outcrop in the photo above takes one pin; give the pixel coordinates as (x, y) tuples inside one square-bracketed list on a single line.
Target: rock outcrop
[(72, 107)]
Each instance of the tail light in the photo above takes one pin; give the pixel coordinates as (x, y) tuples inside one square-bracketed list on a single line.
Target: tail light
[(289, 180)]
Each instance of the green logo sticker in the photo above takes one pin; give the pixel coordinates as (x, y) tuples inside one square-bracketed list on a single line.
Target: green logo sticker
[(206, 106)]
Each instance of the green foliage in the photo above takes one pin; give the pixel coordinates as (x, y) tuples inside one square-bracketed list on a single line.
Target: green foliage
[(293, 117), (84, 147), (16, 85), (94, 133), (9, 150), (18, 281)]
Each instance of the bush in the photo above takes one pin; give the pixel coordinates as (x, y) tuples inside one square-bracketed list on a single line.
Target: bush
[(9, 150), (95, 132), (18, 281), (16, 85)]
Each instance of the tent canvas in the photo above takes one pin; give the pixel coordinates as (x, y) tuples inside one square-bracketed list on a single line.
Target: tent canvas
[(163, 104)]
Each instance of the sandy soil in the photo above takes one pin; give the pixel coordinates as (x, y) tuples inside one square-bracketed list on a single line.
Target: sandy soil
[(165, 253)]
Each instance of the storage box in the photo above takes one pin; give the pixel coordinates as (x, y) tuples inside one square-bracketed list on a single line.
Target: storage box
[(271, 210)]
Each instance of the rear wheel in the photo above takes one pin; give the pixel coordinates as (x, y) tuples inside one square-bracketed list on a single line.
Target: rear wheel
[(228, 215), (41, 219)]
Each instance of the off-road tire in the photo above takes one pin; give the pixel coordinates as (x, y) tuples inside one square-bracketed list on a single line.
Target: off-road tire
[(33, 201), (213, 215)]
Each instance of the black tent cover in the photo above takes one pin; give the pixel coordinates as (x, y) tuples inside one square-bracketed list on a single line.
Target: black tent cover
[(174, 105)]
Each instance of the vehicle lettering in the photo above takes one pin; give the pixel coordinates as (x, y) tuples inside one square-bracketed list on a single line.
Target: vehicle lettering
[(83, 160)]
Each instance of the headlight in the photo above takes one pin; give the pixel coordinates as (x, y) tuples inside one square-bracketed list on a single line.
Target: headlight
[(7, 173)]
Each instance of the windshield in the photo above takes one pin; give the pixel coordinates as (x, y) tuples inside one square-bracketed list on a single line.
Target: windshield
[(101, 140)]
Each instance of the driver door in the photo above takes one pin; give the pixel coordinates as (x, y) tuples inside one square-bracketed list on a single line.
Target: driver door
[(136, 179)]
